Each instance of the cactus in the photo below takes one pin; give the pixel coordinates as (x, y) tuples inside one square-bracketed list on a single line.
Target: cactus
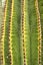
[(22, 33)]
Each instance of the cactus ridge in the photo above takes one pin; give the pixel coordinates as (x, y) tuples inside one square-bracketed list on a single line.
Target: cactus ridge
[(23, 31), (39, 32), (2, 60)]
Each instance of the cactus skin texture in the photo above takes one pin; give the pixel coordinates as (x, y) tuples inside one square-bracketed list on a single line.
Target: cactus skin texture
[(21, 40)]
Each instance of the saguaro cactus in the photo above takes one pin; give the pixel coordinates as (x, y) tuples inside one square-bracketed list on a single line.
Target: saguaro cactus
[(22, 33)]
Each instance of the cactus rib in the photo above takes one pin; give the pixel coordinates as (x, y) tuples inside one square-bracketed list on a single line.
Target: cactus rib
[(39, 32), (2, 61), (11, 33), (7, 54), (10, 48), (23, 31)]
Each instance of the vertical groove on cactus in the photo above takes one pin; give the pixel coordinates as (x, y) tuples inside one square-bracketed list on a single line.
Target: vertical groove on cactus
[(39, 32)]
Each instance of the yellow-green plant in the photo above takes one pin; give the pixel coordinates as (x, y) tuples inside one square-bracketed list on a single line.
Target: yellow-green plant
[(22, 33)]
